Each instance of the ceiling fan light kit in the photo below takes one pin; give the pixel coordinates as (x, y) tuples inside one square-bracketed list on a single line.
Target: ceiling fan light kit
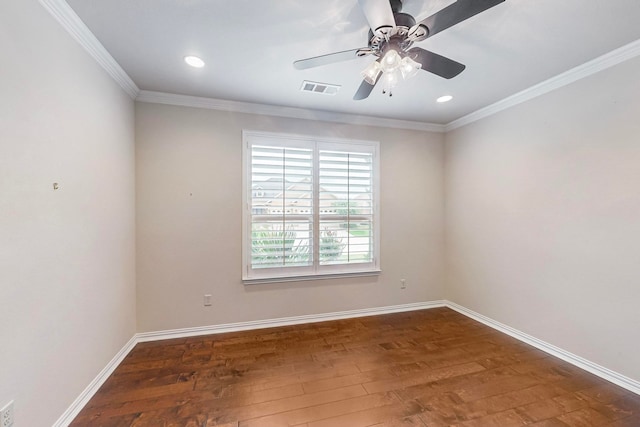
[(391, 37), (395, 69)]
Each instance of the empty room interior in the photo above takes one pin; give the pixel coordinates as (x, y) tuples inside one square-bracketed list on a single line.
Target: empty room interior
[(340, 213)]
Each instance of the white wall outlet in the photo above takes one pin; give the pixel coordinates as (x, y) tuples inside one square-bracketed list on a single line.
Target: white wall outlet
[(207, 301), (403, 284), (6, 415)]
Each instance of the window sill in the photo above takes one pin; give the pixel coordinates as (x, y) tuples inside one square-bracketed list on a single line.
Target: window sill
[(258, 281)]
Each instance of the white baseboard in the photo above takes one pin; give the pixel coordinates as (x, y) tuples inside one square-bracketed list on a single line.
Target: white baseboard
[(602, 372), (93, 387), (87, 394), (283, 321)]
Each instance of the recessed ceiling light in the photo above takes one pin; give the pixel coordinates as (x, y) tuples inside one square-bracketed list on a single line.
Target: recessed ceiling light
[(194, 61), (445, 98)]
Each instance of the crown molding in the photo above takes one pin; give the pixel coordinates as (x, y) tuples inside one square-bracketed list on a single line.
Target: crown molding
[(63, 13), (594, 66), (70, 21), (290, 112)]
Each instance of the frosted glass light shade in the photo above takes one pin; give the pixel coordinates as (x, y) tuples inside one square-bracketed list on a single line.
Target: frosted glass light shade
[(409, 67), (371, 73), (391, 60), (390, 80)]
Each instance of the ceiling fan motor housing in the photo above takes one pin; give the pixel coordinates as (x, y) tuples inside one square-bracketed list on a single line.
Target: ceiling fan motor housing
[(396, 38)]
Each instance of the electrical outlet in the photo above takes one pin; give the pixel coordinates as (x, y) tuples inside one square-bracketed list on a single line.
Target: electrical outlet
[(403, 284), (207, 301), (6, 415)]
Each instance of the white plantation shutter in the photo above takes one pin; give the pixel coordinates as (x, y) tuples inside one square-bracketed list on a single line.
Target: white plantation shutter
[(281, 206), (310, 207), (346, 207)]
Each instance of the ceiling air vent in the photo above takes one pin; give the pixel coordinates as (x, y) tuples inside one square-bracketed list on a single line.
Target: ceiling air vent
[(316, 87)]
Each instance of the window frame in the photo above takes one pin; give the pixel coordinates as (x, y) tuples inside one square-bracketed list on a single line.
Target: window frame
[(314, 271)]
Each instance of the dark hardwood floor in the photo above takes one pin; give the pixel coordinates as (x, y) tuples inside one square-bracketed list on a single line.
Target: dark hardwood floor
[(422, 368)]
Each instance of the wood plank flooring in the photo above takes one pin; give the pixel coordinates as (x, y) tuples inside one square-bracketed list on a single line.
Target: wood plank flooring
[(422, 368)]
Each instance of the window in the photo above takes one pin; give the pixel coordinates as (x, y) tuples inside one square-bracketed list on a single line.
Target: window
[(310, 207)]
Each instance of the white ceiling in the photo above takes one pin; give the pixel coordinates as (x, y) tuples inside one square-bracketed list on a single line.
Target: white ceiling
[(249, 47)]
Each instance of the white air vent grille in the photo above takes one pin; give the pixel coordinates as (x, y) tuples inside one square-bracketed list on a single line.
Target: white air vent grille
[(315, 87)]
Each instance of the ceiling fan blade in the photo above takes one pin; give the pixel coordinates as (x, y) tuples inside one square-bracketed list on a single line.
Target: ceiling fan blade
[(379, 15), (456, 13), (330, 58), (363, 91), (436, 64)]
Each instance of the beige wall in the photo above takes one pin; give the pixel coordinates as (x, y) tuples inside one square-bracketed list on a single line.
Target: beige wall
[(543, 217), (67, 274), (189, 214)]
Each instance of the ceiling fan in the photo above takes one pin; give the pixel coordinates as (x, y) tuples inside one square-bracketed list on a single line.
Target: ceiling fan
[(391, 37)]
